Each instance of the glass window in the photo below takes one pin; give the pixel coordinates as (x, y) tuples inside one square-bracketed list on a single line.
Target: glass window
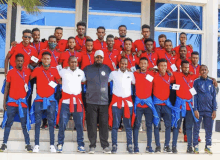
[(110, 6), (3, 11), (170, 35), (2, 44), (65, 5)]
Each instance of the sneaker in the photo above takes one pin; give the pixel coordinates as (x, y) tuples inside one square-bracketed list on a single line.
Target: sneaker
[(114, 149), (3, 147), (107, 150), (136, 150), (208, 150), (185, 138), (91, 150), (44, 126), (167, 149), (196, 149), (149, 150), (189, 150), (174, 150), (199, 139), (28, 148), (57, 127), (141, 128), (130, 149), (158, 149), (59, 148), (36, 149), (81, 149), (52, 149)]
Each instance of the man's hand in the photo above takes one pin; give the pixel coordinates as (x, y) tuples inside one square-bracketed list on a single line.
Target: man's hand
[(169, 72), (5, 107), (43, 40), (190, 46), (123, 53), (88, 37), (196, 114), (13, 44), (153, 69), (215, 83), (191, 73), (139, 53), (173, 53), (129, 70), (109, 127), (213, 115), (116, 37), (138, 71)]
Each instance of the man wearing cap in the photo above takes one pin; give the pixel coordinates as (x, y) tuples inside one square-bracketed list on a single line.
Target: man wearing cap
[(97, 76)]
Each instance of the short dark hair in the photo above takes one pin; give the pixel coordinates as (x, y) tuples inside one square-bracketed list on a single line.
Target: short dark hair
[(46, 53), (148, 39), (182, 47), (81, 23), (109, 36), (35, 29), (123, 58), (182, 33), (202, 65), (168, 40), (71, 38), (143, 58), (184, 61), (100, 27), (161, 60), (122, 26), (162, 36), (51, 36), (19, 55), (195, 53), (26, 31), (89, 40), (128, 39), (57, 28), (145, 26), (71, 57)]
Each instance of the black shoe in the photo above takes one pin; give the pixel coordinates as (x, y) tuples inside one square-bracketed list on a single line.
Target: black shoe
[(3, 148), (44, 126), (190, 150), (174, 150), (57, 127), (157, 149), (167, 149), (28, 148)]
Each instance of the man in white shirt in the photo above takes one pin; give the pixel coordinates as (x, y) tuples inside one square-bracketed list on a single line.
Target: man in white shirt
[(71, 103), (121, 104)]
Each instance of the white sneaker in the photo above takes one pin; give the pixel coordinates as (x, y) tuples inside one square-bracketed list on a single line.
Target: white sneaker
[(141, 128), (53, 149), (36, 149)]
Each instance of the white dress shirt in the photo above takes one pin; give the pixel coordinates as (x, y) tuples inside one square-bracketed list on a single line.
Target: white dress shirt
[(122, 84), (71, 82)]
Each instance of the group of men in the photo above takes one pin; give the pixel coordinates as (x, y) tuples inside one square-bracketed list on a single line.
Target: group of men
[(137, 76)]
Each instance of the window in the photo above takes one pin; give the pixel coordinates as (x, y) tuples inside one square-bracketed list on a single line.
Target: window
[(112, 14)]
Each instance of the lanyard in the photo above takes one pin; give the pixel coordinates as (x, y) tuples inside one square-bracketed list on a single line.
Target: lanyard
[(167, 82), (27, 52), (47, 76), (129, 61), (36, 47), (54, 57), (109, 55), (195, 68), (169, 59), (89, 58), (71, 54), (144, 45), (81, 46), (23, 77), (186, 82), (102, 44), (149, 56), (122, 43)]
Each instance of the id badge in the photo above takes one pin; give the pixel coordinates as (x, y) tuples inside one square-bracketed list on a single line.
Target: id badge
[(149, 78), (193, 91), (59, 68), (26, 87), (173, 67), (34, 59), (155, 67), (133, 69), (52, 84), (176, 87)]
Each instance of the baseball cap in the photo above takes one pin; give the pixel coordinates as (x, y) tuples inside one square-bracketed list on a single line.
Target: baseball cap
[(99, 53)]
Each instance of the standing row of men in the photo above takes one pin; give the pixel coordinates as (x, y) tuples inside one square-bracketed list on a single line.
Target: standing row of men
[(158, 69)]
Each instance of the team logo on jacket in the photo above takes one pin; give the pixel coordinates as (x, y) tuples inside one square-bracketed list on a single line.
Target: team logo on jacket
[(103, 73), (79, 75), (128, 77)]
